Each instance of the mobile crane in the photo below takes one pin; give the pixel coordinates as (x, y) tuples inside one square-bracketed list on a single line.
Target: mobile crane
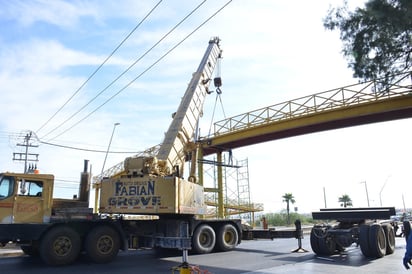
[(59, 229)]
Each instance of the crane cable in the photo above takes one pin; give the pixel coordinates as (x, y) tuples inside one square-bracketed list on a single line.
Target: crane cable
[(118, 77), (146, 70), (97, 69)]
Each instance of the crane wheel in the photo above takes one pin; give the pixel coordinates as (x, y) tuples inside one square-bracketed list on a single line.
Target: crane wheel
[(390, 238), (60, 246), (377, 241), (204, 239), (102, 244), (227, 237)]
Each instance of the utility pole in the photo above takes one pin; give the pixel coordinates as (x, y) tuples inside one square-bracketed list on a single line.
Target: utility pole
[(26, 156)]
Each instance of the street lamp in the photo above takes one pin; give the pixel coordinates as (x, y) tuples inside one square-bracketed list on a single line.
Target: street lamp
[(380, 192), (108, 147), (366, 189)]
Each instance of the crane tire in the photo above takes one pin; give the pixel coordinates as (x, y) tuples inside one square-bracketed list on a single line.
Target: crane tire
[(102, 244), (227, 237), (390, 238), (377, 241), (204, 239), (364, 240), (60, 246)]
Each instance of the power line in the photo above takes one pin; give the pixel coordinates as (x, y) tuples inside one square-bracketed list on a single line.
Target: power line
[(98, 68), (120, 75), (86, 149), (146, 70)]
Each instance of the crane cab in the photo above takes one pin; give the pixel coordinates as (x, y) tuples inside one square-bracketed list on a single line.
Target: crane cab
[(25, 198)]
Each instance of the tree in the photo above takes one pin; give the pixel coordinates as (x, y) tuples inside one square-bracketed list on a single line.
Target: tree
[(288, 198), (377, 39), (345, 200)]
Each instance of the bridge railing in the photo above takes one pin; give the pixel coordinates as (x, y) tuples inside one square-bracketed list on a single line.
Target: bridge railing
[(328, 100)]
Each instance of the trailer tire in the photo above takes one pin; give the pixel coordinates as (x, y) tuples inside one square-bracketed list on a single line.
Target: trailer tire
[(364, 240), (60, 246), (102, 244), (204, 239), (377, 241), (327, 246), (390, 238), (314, 242), (227, 237)]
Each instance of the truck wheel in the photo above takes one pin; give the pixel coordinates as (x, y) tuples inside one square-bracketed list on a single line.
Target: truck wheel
[(204, 239), (60, 246), (227, 237), (314, 241), (102, 244), (390, 238), (377, 241), (364, 240)]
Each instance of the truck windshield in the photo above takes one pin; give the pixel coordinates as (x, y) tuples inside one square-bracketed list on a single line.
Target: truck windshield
[(6, 187)]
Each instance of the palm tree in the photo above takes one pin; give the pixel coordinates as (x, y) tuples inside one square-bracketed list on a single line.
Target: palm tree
[(345, 200), (288, 198)]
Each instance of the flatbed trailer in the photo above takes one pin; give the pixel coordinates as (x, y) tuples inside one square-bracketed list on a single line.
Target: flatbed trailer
[(370, 228)]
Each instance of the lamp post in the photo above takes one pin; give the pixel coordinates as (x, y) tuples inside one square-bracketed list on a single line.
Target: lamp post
[(97, 185), (380, 192), (366, 189), (108, 147)]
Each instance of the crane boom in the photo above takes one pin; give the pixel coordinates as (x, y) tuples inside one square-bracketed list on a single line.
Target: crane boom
[(177, 142), (183, 127)]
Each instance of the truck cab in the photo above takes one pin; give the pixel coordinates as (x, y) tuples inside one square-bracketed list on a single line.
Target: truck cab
[(25, 198)]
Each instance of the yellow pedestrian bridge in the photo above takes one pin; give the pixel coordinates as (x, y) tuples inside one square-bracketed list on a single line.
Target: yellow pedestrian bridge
[(347, 106)]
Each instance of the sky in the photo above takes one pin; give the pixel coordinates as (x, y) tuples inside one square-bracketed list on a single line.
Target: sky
[(273, 51)]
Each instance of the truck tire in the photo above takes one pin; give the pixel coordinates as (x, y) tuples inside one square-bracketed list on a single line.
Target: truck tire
[(314, 242), (60, 246), (377, 241), (390, 238), (364, 240), (227, 237), (102, 244), (204, 239)]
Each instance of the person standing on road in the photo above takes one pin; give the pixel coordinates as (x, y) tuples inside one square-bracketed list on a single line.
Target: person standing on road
[(408, 254)]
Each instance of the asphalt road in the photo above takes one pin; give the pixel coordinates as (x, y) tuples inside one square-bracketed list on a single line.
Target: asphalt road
[(262, 256)]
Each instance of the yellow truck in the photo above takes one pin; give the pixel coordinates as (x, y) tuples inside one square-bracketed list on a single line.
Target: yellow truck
[(59, 229)]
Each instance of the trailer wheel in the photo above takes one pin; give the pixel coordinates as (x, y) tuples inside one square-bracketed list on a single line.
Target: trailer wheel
[(60, 246), (227, 237), (204, 239), (314, 242), (364, 240), (102, 244), (327, 246), (377, 241), (390, 238)]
